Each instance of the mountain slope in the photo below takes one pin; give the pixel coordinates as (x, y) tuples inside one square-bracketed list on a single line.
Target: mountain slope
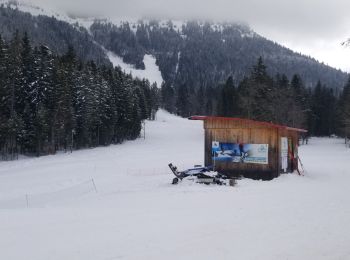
[(198, 54), (56, 34), (203, 54)]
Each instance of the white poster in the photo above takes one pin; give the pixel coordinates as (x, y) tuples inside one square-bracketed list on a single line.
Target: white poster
[(284, 153)]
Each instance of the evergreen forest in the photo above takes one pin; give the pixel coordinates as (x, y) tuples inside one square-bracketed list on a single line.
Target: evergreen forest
[(51, 102)]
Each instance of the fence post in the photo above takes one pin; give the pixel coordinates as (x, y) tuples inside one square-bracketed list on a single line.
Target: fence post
[(93, 183)]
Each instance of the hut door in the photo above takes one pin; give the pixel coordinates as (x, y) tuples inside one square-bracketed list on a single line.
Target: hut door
[(284, 153), (290, 154)]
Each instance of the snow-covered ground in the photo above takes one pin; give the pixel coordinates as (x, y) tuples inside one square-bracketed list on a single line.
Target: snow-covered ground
[(137, 214), (151, 71)]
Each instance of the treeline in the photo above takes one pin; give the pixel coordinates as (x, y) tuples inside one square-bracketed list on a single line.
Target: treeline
[(50, 103), (259, 96)]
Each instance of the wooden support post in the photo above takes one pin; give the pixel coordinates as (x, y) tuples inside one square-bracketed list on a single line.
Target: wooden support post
[(27, 200)]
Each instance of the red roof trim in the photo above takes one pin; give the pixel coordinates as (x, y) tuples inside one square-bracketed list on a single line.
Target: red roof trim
[(248, 120)]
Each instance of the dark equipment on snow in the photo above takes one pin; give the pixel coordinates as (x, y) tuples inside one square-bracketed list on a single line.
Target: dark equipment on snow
[(200, 174)]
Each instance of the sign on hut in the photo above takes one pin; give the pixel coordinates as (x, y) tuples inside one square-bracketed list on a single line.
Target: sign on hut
[(253, 149)]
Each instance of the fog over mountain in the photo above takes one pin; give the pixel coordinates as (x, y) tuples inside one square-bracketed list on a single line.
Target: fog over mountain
[(218, 49), (313, 27)]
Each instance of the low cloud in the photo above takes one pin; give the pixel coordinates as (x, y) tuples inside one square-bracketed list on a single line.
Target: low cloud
[(291, 22)]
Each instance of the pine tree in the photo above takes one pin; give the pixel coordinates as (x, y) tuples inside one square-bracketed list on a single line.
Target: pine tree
[(182, 101), (283, 100), (228, 103), (121, 91), (257, 94), (28, 99), (323, 107), (155, 101), (14, 76), (43, 90), (259, 72), (142, 100), (299, 106), (67, 87), (168, 97), (263, 105), (28, 78), (344, 111), (54, 106), (5, 97), (201, 101), (211, 101), (103, 109)]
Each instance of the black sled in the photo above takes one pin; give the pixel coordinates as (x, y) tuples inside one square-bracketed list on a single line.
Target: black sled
[(200, 174)]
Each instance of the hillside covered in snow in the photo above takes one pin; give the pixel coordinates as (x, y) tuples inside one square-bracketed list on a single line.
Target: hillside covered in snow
[(117, 203)]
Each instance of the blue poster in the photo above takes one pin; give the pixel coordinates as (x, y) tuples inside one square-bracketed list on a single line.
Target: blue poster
[(244, 153)]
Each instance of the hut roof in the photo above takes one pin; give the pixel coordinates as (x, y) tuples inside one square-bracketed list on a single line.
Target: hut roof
[(248, 121)]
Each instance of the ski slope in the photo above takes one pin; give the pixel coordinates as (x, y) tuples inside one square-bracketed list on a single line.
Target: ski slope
[(151, 71), (135, 213)]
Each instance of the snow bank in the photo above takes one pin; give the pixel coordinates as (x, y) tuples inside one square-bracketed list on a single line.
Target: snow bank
[(151, 71), (138, 214)]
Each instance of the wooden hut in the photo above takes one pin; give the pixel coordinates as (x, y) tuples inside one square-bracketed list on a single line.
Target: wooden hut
[(253, 149)]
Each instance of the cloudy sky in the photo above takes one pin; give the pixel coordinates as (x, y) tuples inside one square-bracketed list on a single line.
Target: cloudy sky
[(312, 27)]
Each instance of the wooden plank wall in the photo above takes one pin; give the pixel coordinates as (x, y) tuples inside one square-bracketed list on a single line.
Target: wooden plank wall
[(233, 131)]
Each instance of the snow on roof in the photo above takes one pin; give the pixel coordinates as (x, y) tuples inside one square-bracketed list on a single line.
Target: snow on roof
[(248, 121)]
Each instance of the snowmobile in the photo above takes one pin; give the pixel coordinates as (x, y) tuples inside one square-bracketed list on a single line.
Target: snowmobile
[(200, 174)]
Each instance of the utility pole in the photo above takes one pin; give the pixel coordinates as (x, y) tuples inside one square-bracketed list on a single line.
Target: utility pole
[(71, 148), (144, 129)]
